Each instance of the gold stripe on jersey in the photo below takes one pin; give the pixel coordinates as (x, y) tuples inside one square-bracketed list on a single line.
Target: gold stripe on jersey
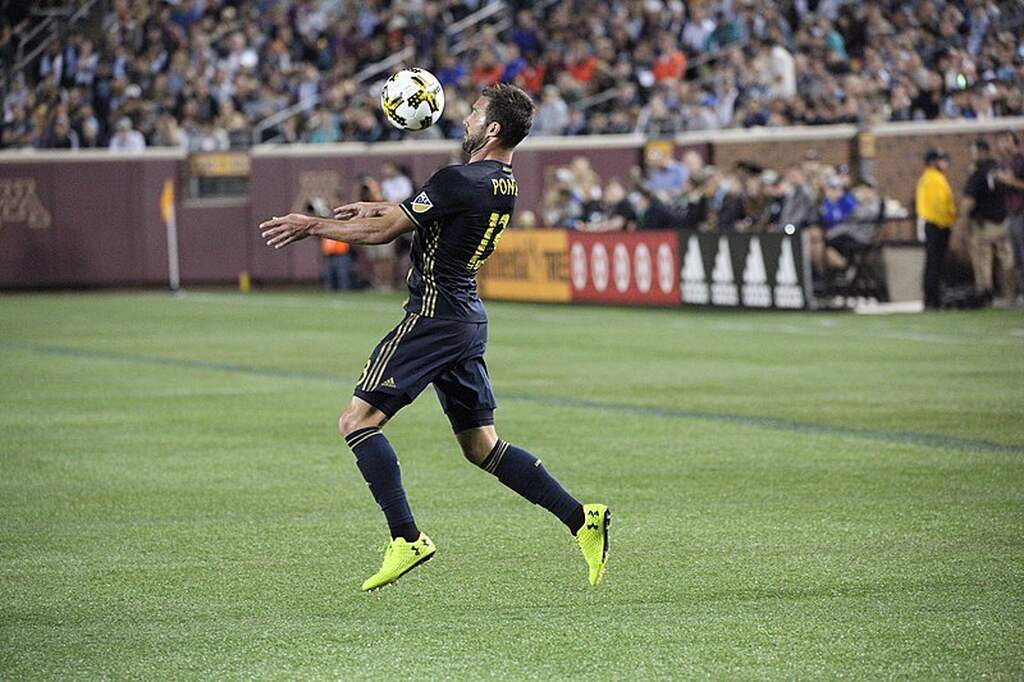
[(429, 305), (384, 356), (379, 363), (427, 279), (390, 352)]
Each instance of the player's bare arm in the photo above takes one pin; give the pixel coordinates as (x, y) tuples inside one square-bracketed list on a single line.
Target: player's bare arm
[(381, 229), (363, 209)]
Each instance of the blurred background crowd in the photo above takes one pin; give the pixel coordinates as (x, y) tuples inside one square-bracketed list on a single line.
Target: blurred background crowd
[(210, 74), (690, 194)]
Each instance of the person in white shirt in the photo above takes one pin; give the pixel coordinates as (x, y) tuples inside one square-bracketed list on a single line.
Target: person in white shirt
[(395, 185), (127, 139)]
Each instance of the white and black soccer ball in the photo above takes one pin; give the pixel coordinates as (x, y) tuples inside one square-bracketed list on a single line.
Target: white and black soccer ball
[(412, 99)]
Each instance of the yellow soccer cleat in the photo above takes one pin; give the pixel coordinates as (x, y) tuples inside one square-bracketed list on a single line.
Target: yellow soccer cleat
[(593, 539), (400, 557)]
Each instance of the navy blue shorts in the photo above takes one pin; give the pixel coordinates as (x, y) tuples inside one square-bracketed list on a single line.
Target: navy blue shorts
[(423, 350)]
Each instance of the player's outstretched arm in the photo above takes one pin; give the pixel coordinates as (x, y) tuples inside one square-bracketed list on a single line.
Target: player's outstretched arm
[(362, 209), (282, 231)]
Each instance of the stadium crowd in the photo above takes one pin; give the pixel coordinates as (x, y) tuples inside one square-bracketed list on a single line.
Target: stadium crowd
[(201, 74), (844, 215), (690, 194)]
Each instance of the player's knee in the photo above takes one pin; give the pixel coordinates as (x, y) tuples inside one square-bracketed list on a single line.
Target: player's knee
[(344, 424), (476, 444), (475, 453), (353, 419)]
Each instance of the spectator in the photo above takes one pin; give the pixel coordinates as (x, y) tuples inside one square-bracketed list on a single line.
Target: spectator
[(856, 233), (653, 213), (488, 69), (322, 127), (514, 64), (619, 211), (763, 214), (127, 138), (90, 137), (337, 265), (452, 73), (838, 204), (170, 134), (783, 71), (552, 115), (395, 184), (936, 213), (63, 135), (525, 34), (670, 63), (726, 209), (984, 208), (665, 175), (830, 252), (797, 211), (1012, 177)]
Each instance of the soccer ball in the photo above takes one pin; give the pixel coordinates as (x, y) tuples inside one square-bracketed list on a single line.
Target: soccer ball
[(412, 99)]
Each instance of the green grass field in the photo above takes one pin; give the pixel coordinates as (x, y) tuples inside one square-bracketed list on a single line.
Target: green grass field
[(794, 495)]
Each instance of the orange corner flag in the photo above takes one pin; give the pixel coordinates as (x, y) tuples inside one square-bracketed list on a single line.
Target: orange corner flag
[(167, 201)]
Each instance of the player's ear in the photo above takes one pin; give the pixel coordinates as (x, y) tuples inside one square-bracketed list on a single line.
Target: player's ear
[(493, 129)]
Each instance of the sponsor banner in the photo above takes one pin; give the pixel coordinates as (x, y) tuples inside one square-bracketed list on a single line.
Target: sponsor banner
[(220, 164), (625, 267), (743, 270), (528, 265)]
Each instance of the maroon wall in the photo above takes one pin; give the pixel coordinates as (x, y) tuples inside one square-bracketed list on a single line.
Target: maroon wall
[(213, 239), (82, 222), (93, 218)]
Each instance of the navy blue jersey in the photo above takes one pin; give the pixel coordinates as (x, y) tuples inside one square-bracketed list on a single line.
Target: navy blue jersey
[(459, 215)]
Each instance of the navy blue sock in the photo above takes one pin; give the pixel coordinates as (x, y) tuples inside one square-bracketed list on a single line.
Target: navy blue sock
[(379, 466), (524, 473)]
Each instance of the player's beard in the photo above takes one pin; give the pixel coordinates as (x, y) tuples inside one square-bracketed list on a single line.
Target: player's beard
[(470, 144)]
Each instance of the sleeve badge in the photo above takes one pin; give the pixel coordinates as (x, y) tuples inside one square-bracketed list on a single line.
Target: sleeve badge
[(422, 203)]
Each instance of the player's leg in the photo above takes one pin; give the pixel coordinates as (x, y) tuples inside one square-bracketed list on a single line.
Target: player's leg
[(524, 473), (514, 467), (399, 368), (360, 424), (465, 393)]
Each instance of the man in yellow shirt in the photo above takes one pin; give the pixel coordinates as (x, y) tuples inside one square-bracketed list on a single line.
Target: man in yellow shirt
[(936, 209)]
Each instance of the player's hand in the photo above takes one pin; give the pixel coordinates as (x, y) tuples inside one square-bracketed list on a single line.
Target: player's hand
[(359, 209), (287, 229)]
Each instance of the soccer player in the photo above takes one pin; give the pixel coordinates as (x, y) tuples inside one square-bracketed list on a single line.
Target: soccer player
[(458, 218)]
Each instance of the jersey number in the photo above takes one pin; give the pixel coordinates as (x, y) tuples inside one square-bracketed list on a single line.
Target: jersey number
[(495, 226)]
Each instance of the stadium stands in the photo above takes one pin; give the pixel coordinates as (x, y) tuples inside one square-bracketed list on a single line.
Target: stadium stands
[(213, 74)]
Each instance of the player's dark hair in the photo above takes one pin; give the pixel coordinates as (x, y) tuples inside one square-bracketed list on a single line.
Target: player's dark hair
[(509, 106)]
